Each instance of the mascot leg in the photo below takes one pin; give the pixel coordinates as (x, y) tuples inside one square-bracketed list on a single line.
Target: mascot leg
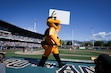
[(58, 60), (42, 61), (45, 55)]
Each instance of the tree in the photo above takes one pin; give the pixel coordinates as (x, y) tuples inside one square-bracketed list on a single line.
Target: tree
[(69, 43), (99, 43), (109, 43), (62, 42), (82, 43), (106, 44), (88, 44)]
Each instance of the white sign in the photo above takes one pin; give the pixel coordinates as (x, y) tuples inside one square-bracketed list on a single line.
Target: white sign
[(63, 16)]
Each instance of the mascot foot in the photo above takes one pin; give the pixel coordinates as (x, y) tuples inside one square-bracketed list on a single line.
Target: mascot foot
[(42, 61), (62, 64), (58, 60), (41, 64)]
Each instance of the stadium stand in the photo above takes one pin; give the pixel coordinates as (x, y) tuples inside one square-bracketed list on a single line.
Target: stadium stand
[(12, 36)]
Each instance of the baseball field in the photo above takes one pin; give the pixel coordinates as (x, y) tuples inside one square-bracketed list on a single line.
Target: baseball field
[(77, 61), (64, 53)]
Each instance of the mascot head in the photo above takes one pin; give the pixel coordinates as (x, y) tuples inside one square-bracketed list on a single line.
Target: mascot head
[(53, 22)]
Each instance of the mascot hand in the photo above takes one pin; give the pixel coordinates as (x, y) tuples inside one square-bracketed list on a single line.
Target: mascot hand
[(43, 44), (59, 40), (56, 40)]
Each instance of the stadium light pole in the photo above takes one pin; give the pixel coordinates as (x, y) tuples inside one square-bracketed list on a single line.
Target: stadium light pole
[(35, 23), (72, 39), (92, 37)]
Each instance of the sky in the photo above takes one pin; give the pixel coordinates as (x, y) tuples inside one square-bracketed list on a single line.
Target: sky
[(88, 18)]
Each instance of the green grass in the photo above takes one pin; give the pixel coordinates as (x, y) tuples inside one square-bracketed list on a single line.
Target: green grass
[(76, 57), (79, 52), (64, 53), (10, 53)]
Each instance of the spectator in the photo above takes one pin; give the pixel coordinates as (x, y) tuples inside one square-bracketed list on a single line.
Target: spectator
[(2, 66), (103, 64)]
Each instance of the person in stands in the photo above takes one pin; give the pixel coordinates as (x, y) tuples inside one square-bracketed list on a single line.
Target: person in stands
[(2, 66)]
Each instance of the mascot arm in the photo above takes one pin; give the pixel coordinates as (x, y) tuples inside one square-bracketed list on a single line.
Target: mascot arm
[(56, 40)]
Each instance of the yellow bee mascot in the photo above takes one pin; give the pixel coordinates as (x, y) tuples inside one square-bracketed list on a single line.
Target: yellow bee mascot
[(51, 40)]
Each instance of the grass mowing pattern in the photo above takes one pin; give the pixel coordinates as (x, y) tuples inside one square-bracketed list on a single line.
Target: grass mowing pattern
[(64, 53)]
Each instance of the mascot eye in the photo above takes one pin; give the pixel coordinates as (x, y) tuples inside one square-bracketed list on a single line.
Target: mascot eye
[(55, 18), (56, 24)]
